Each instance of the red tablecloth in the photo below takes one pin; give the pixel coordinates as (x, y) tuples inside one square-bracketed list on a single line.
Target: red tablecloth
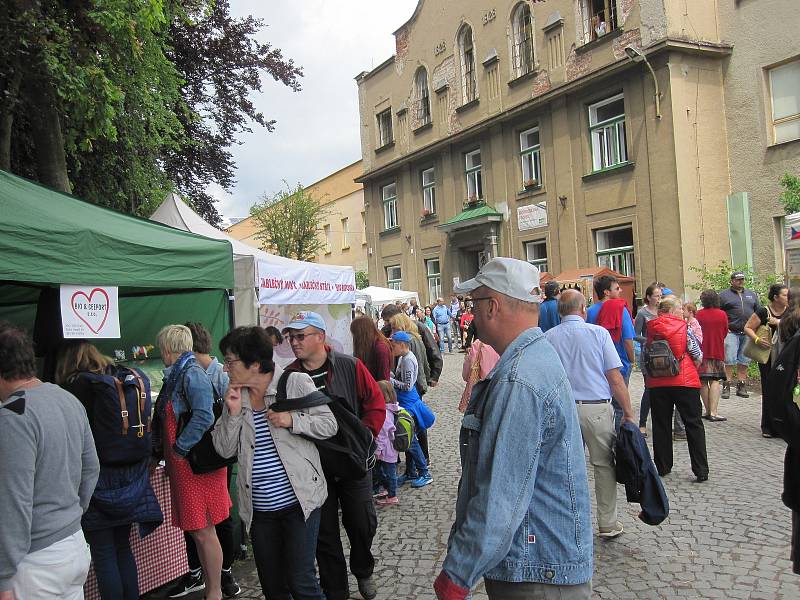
[(161, 556)]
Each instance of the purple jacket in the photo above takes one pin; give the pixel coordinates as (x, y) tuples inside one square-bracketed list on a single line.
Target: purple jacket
[(386, 451)]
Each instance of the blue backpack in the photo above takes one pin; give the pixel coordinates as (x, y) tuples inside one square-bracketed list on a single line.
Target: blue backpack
[(121, 415)]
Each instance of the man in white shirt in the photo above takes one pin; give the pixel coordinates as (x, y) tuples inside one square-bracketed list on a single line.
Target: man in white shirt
[(593, 369)]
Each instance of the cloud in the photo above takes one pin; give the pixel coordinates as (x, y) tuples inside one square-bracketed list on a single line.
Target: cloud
[(317, 130)]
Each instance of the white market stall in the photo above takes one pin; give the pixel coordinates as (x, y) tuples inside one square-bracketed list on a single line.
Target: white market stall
[(372, 298), (269, 289)]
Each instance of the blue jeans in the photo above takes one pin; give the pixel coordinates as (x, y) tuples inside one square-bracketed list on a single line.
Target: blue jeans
[(387, 477), (443, 329), (283, 548), (114, 565), (417, 466)]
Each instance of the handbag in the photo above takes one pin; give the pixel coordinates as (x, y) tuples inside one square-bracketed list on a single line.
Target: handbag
[(756, 352), (474, 377)]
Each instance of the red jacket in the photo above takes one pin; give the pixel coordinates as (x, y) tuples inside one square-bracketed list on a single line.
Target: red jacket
[(714, 322), (349, 380), (673, 329)]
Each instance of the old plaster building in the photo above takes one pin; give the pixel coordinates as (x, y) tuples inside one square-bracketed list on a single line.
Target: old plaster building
[(343, 227), (571, 133)]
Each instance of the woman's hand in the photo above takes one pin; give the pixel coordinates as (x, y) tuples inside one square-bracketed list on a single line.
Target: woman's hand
[(280, 419), (233, 399), (774, 322), (762, 343)]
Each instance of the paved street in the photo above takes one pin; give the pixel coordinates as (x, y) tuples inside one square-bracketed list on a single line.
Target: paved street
[(728, 538)]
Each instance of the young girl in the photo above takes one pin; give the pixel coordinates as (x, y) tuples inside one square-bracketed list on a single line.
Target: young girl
[(387, 456), (689, 313), (403, 380)]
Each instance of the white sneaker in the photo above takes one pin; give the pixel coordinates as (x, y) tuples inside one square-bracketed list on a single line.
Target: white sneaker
[(611, 532)]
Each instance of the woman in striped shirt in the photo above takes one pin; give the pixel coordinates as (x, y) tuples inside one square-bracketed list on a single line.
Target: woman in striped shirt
[(280, 482)]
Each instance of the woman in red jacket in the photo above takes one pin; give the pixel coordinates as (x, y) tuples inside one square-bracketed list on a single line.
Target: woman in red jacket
[(681, 391), (714, 323)]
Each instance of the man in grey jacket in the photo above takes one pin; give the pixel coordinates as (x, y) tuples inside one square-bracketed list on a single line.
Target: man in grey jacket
[(49, 472)]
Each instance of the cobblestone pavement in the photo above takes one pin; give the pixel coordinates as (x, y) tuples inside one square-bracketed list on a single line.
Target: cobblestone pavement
[(727, 538)]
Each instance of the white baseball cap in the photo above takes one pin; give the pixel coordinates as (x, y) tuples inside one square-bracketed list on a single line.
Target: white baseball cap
[(514, 278)]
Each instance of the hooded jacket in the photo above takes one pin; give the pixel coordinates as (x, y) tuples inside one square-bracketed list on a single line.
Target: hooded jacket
[(673, 329)]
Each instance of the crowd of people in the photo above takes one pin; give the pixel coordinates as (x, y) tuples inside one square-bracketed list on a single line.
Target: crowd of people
[(541, 365)]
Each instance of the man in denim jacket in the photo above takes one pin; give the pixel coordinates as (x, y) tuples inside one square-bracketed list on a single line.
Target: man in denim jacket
[(523, 514)]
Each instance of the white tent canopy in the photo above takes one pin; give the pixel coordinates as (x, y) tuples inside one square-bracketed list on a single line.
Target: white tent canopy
[(176, 213), (379, 296)]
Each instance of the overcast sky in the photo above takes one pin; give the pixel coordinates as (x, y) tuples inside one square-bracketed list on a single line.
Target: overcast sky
[(317, 128)]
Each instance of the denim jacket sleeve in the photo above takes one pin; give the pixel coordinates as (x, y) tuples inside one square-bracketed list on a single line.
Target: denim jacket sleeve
[(505, 479), (196, 392)]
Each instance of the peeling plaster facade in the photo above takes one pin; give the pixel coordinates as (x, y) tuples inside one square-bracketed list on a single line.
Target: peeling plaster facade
[(669, 195)]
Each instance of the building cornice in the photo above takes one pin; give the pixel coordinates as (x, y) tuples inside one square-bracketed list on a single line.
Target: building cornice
[(712, 50), (364, 75)]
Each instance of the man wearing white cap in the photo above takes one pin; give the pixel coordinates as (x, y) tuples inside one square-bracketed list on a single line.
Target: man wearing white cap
[(347, 380), (523, 513)]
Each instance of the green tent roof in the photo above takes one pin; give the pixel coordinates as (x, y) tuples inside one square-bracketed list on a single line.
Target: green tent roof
[(48, 237), (482, 210)]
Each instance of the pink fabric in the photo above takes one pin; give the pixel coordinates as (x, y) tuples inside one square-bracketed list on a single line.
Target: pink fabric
[(694, 325), (489, 359), (385, 450)]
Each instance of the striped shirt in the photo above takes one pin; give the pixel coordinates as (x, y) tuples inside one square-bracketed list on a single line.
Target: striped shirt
[(320, 378), (272, 489)]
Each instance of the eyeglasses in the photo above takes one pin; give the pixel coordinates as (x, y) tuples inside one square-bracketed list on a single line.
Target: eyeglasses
[(474, 300), (301, 336), (229, 361)]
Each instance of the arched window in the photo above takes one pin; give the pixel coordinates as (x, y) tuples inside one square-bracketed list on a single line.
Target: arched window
[(469, 81), (522, 27), (423, 97)]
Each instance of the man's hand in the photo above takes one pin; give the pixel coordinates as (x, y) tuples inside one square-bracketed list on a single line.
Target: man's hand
[(9, 595), (233, 399), (280, 419), (629, 418), (447, 589)]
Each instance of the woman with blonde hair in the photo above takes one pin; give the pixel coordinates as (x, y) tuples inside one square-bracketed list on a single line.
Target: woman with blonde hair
[(184, 413), (123, 494)]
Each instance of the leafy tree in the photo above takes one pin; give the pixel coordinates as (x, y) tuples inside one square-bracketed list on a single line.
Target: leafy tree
[(362, 280), (791, 193), (288, 223), (122, 101), (719, 278)]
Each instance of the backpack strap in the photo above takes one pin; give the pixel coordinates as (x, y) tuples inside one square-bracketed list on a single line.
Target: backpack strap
[(122, 405)]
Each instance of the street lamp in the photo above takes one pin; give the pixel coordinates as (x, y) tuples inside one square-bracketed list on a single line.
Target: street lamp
[(636, 55)]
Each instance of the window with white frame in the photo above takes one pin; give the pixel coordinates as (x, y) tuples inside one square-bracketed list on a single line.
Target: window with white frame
[(469, 81), (394, 280), (615, 249), (529, 154), (599, 18), (536, 254), (327, 231), (474, 175), (423, 97), (384, 127), (345, 233), (522, 27), (607, 132), (428, 191), (784, 87), (434, 274), (389, 194)]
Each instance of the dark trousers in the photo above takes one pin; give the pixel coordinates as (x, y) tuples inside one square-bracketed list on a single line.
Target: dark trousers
[(283, 549), (114, 565), (766, 416), (528, 590), (422, 438), (644, 408), (687, 402), (226, 532), (360, 522)]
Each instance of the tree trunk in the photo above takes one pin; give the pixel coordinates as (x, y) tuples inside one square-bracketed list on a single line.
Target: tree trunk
[(7, 121), (51, 159)]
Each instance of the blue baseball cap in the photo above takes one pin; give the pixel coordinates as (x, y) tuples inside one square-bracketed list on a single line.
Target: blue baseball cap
[(401, 336), (306, 318)]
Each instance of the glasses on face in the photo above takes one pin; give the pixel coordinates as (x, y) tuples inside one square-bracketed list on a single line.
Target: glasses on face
[(474, 300), (301, 336), (229, 361)]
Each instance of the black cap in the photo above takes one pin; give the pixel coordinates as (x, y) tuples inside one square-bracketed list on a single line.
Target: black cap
[(551, 289), (737, 275)]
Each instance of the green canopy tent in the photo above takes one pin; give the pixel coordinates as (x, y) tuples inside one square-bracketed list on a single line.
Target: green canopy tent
[(164, 275)]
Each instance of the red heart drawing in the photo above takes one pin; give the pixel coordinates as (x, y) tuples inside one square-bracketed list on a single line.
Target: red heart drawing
[(88, 301)]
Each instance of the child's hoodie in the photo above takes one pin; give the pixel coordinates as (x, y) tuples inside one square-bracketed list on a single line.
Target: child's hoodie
[(386, 451)]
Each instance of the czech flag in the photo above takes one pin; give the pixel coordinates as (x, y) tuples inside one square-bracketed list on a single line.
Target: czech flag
[(795, 234)]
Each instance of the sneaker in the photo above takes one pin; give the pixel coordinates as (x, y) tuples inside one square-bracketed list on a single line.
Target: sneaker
[(422, 481), (367, 589), (380, 494), (188, 584), (230, 588), (387, 501), (242, 551), (726, 389), (741, 390), (611, 532), (404, 479), (678, 435)]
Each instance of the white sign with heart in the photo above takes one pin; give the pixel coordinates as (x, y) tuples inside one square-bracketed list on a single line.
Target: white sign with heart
[(89, 312)]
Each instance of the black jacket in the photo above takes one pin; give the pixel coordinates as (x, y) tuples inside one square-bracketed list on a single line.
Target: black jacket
[(636, 470)]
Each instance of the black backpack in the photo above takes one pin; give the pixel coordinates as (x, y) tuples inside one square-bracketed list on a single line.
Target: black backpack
[(783, 378), (350, 453), (121, 414), (658, 359)]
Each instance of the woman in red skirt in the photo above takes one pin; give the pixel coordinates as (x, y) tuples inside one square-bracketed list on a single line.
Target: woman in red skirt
[(199, 502)]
